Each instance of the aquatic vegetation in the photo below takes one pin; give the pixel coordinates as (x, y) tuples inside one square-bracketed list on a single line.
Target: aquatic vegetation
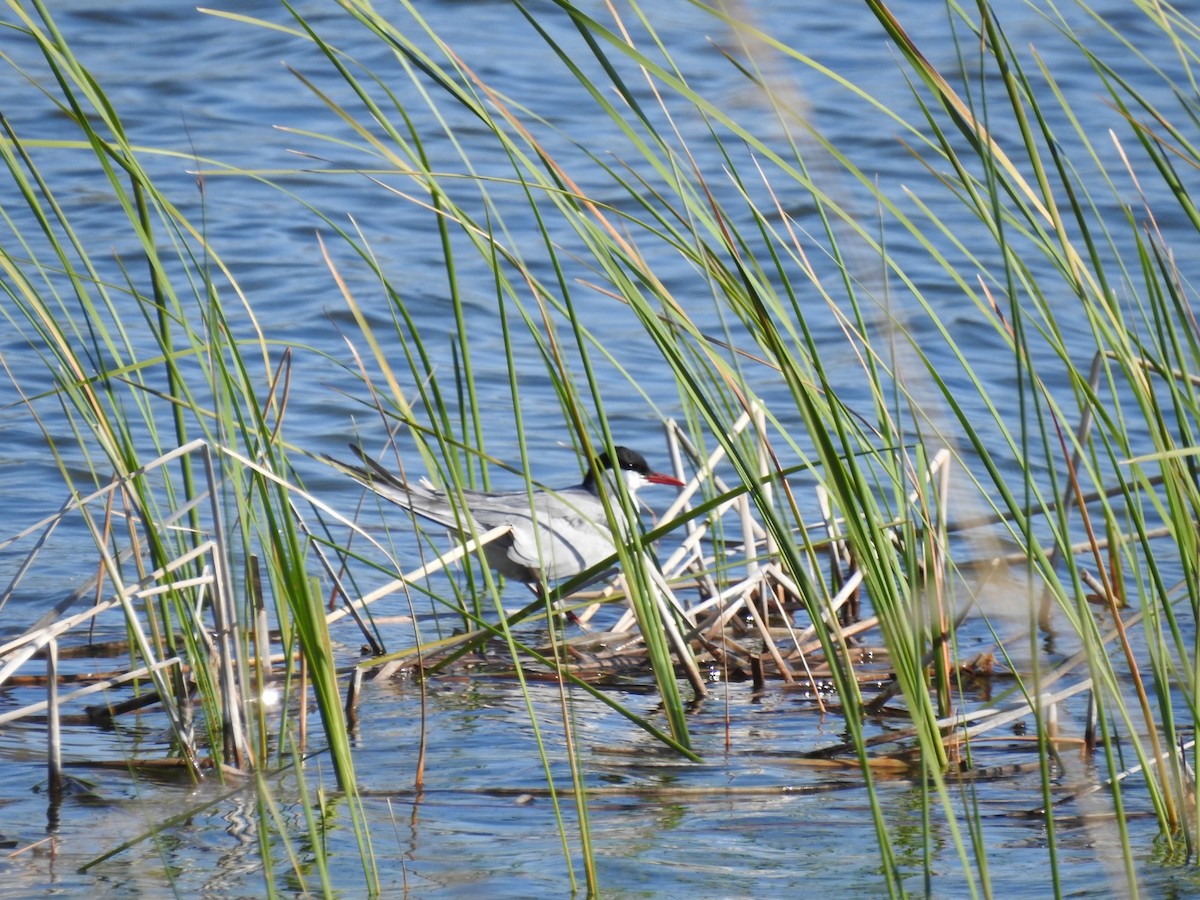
[(856, 502)]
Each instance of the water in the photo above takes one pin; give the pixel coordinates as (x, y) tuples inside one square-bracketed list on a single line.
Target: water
[(216, 89)]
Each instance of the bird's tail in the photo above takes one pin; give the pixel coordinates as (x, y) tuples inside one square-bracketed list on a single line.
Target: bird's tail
[(418, 498), (373, 476)]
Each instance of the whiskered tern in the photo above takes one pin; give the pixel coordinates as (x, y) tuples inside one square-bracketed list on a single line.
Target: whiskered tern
[(562, 533)]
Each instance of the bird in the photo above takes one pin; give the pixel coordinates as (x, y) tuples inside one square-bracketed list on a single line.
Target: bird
[(563, 533)]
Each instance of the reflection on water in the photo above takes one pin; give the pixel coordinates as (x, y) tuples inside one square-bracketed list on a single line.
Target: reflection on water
[(749, 821)]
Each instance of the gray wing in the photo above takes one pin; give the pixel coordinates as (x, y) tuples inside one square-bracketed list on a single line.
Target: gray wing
[(564, 538)]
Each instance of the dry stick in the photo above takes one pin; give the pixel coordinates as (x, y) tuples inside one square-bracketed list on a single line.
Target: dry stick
[(831, 531), (262, 630), (54, 727), (1108, 783), (739, 593), (765, 633), (862, 626), (778, 601), (1096, 585), (353, 690), (705, 792), (77, 678), (215, 546), (262, 650), (231, 662), (993, 719), (721, 601), (104, 685), (106, 713), (706, 468), (585, 615), (450, 556), (935, 554), (731, 646), (1076, 549), (302, 694), (705, 471), (178, 676), (836, 602), (137, 554), (133, 551), (335, 577), (765, 487), (666, 600), (1092, 722), (19, 651), (1060, 672), (755, 570), (31, 556), (984, 719), (674, 438), (178, 709)]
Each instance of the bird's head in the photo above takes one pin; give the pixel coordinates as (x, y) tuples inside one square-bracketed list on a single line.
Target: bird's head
[(632, 465)]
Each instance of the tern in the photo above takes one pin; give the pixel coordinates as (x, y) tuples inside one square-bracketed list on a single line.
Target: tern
[(564, 532)]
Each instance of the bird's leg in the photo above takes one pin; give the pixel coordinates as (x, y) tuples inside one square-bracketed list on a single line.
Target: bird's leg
[(541, 590)]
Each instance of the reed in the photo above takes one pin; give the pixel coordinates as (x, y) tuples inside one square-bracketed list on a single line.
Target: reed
[(144, 356)]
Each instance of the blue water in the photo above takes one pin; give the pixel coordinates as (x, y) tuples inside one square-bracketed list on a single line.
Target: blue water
[(206, 88)]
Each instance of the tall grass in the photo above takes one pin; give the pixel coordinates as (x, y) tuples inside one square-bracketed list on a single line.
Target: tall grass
[(1091, 310), (143, 356), (1047, 236)]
